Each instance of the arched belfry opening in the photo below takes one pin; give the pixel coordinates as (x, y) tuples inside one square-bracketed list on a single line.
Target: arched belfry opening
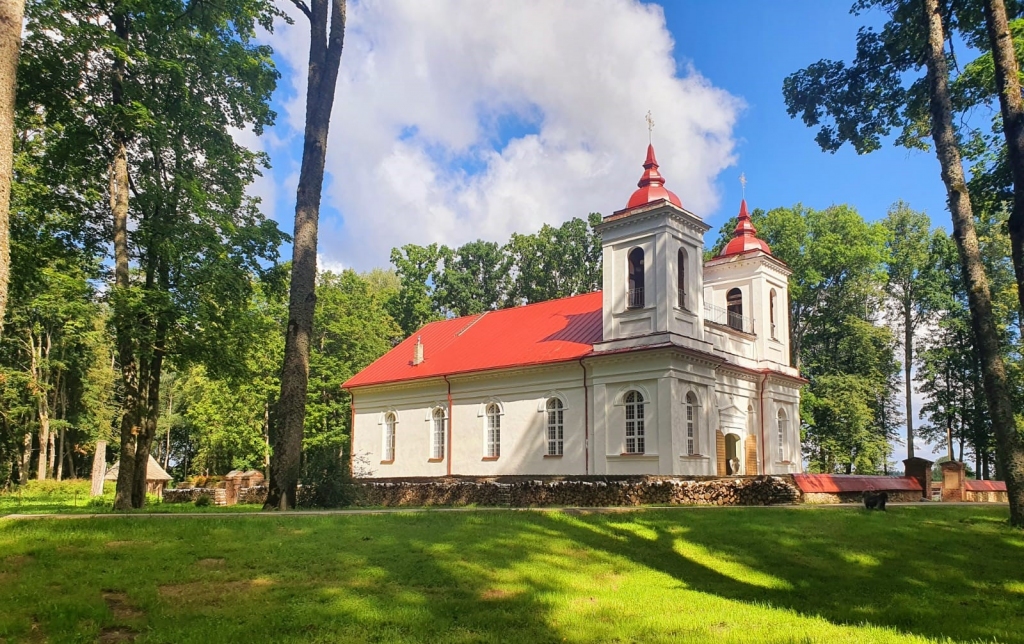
[(635, 295), (734, 304), (681, 279)]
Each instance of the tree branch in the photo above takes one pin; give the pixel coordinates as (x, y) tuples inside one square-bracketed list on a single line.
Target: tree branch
[(303, 8)]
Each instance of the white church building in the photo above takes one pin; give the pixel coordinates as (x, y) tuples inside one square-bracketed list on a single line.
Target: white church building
[(679, 366)]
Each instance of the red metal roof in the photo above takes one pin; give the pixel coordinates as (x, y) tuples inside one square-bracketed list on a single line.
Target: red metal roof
[(984, 486), (552, 331), (834, 483), (651, 186), (744, 236)]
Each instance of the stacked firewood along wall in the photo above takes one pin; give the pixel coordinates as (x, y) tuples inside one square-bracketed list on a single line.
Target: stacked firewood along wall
[(574, 492)]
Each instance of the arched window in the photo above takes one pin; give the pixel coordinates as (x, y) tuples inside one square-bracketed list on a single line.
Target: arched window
[(437, 434), (691, 424), (682, 278), (783, 430), (555, 427), (635, 296), (389, 437), (493, 414), (734, 304), (634, 423), (771, 312)]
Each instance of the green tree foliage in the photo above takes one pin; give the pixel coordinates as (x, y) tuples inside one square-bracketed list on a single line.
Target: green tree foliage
[(438, 281), (155, 86)]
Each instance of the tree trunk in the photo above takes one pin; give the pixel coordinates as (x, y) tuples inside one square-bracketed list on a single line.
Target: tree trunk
[(11, 12), (1012, 107), (150, 421), (59, 473), (979, 298), (45, 440), (170, 409), (50, 450), (26, 458), (908, 361), (122, 309), (99, 468), (324, 60)]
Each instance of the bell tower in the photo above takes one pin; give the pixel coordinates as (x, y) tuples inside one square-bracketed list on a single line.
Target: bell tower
[(746, 293), (653, 269)]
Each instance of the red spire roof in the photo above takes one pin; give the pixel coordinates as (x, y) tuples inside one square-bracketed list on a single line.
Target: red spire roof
[(744, 236), (651, 187)]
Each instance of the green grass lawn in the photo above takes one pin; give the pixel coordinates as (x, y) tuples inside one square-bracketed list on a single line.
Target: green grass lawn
[(72, 497), (655, 575)]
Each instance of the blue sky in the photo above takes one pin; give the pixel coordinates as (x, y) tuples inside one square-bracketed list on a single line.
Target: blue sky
[(743, 48), (748, 48)]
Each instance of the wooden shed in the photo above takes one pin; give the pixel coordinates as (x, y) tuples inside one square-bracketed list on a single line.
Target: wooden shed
[(156, 477)]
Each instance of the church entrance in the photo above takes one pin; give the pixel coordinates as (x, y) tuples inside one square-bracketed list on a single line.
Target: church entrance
[(732, 454)]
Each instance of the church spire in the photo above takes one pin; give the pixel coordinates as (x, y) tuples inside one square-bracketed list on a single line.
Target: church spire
[(651, 186), (744, 236)]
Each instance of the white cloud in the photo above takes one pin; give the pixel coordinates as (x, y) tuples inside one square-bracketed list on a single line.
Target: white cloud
[(425, 87)]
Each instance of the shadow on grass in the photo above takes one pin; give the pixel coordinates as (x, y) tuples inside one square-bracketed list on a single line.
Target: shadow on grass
[(337, 579), (504, 576), (937, 577)]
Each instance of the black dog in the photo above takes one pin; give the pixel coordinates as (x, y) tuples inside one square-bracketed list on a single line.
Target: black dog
[(875, 500)]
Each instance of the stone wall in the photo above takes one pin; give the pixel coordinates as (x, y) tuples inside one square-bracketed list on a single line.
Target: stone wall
[(188, 494), (526, 492), (895, 496), (581, 491), (986, 496)]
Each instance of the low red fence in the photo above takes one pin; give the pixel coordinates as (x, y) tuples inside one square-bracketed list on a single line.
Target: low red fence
[(839, 483)]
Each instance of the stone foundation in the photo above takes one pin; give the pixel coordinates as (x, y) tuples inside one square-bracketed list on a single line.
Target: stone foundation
[(895, 496), (533, 492)]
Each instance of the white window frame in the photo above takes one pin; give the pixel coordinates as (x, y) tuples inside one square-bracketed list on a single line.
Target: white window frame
[(635, 439), (492, 430), (692, 405), (388, 448), (437, 433), (554, 409)]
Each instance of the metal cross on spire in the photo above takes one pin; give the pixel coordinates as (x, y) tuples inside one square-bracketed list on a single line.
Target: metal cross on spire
[(650, 127), (743, 185)]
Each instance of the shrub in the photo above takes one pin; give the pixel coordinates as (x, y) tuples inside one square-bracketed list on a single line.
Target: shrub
[(203, 500), (326, 482)]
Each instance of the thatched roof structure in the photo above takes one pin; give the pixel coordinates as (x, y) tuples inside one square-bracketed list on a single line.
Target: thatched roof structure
[(153, 471)]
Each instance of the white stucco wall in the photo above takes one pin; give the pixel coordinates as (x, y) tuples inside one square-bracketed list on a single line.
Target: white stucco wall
[(727, 399)]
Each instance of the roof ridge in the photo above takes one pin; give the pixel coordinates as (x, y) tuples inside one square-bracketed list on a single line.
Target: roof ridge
[(480, 316)]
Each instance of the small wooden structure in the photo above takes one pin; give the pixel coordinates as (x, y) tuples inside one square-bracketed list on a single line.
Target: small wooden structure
[(156, 477)]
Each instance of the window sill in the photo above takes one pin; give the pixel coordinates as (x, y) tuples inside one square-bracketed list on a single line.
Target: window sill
[(633, 457), (695, 457), (435, 460), (387, 462), (490, 458), (552, 456)]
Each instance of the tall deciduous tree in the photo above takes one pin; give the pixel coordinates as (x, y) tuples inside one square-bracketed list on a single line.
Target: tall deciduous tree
[(910, 285), (11, 12), (1011, 104), (865, 101), (153, 86), (326, 41)]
